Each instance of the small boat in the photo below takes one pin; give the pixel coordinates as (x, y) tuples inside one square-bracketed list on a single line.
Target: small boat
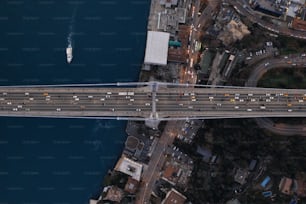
[(69, 53)]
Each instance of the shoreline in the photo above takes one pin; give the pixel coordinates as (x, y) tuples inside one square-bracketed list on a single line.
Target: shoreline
[(141, 77)]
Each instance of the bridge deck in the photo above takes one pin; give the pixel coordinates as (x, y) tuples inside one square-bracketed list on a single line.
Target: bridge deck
[(175, 102)]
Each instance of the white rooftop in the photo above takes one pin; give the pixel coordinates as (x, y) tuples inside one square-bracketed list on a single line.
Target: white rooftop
[(91, 201), (129, 167), (157, 48)]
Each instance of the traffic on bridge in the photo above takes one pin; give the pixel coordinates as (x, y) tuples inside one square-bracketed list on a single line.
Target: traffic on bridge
[(155, 101)]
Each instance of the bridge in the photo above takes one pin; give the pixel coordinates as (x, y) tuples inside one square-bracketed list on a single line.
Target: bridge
[(150, 101)]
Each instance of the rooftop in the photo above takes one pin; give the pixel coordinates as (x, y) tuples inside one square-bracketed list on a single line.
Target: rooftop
[(157, 48), (129, 167), (285, 185), (240, 176), (174, 197)]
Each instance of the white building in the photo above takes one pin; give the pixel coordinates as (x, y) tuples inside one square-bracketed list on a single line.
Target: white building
[(157, 48)]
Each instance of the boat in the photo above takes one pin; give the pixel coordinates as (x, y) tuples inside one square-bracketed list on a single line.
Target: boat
[(69, 53)]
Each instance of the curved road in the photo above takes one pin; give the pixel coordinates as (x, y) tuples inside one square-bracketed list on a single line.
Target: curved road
[(284, 62)]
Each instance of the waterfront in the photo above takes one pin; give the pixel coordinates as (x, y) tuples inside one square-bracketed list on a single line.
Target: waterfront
[(61, 160)]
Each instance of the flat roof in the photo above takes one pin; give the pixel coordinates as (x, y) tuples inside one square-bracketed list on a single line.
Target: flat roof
[(174, 197), (157, 48), (129, 167)]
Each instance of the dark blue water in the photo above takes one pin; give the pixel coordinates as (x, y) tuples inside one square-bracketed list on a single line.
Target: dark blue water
[(64, 160)]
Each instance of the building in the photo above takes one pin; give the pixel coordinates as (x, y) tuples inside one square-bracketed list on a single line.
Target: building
[(168, 3), (174, 197), (156, 48), (301, 188), (285, 185), (129, 167), (265, 182), (299, 24), (131, 185), (114, 194), (240, 176), (300, 184), (252, 165), (170, 174), (265, 7), (205, 153), (233, 201)]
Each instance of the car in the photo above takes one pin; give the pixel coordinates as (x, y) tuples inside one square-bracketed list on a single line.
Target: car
[(236, 107), (266, 64), (9, 103), (286, 57), (253, 99), (58, 109), (262, 107), (147, 104), (289, 110), (249, 109), (241, 100), (303, 55), (15, 109), (138, 109)]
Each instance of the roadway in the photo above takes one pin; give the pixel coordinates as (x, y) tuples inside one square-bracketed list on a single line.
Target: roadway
[(174, 102), (293, 61)]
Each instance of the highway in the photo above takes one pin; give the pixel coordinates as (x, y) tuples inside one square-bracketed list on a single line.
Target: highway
[(174, 102), (296, 61)]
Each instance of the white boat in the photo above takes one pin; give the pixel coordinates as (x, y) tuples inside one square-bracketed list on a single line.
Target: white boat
[(69, 53)]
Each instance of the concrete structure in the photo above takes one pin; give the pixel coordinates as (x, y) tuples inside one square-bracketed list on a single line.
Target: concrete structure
[(156, 48), (151, 102), (174, 197), (129, 167)]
